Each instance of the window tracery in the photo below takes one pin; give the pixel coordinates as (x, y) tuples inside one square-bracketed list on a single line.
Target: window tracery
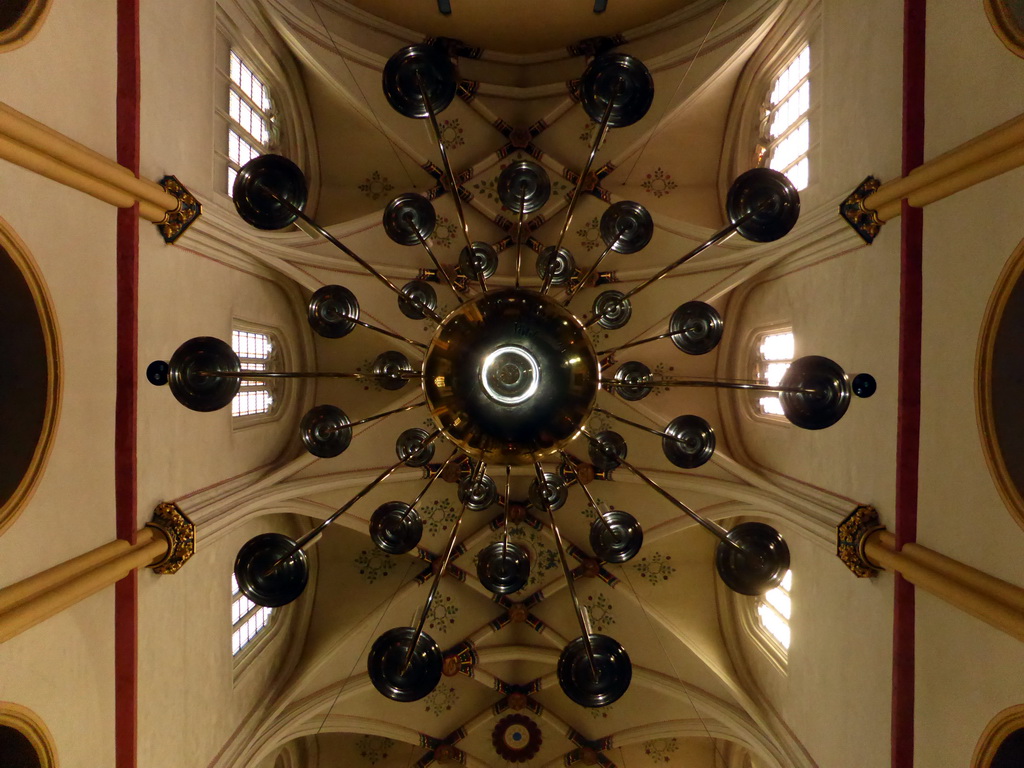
[(785, 125), (248, 620), (257, 351), (773, 351)]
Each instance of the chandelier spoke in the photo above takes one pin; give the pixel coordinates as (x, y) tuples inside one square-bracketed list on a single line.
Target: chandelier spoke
[(439, 267), (453, 184), (570, 580), (519, 235), (718, 531), (298, 213), (758, 386), (307, 540), (602, 130), (395, 527), (589, 273), (386, 332), (626, 227), (615, 536), (476, 476)]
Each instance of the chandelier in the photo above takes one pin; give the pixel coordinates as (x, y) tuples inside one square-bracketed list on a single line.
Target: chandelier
[(511, 378)]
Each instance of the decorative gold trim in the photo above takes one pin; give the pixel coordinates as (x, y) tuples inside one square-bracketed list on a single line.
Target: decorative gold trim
[(18, 252), (864, 220), (1012, 274), (180, 533), (995, 733), (22, 31), (189, 209), (1006, 29), (850, 537), (31, 726)]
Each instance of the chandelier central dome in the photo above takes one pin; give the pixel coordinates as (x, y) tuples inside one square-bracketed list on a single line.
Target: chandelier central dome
[(510, 376)]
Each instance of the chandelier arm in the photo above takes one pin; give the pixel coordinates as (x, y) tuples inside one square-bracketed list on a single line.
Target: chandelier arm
[(477, 474), (718, 531), (590, 498), (602, 130), (386, 332), (309, 538), (591, 271), (570, 581), (308, 375), (508, 503), (519, 232), (721, 236), (431, 479), (437, 264), (653, 431), (749, 385), (631, 344), (294, 210), (376, 416), (436, 130)]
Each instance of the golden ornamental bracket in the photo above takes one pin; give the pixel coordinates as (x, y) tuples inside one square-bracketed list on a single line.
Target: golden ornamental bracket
[(864, 220), (850, 537), (180, 533), (181, 218)]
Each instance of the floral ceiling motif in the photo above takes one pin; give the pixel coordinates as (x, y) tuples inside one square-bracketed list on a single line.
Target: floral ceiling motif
[(440, 700), (658, 183), (660, 750), (655, 568), (374, 564), (373, 749), (442, 613), (376, 186)]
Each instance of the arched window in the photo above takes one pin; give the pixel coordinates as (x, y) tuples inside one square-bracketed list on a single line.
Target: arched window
[(261, 103), (257, 350), (773, 352), (248, 620), (251, 125), (786, 126), (773, 611)]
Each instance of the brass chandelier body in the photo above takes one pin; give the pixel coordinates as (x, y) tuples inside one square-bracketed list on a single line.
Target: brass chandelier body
[(511, 377)]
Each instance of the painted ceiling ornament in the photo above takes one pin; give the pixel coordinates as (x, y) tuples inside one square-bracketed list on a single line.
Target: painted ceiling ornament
[(660, 750), (658, 183), (516, 738), (373, 749), (376, 186)]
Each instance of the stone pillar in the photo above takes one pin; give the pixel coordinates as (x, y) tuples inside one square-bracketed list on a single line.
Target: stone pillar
[(866, 547), (41, 149), (983, 157), (163, 545)]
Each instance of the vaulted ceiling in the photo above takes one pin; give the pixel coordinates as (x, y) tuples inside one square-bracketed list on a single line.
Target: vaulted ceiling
[(664, 606)]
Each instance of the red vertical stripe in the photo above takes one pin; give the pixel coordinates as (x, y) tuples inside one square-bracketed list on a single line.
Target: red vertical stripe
[(126, 648), (908, 423)]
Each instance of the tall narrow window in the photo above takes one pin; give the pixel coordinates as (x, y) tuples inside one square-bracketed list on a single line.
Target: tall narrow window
[(774, 352), (256, 352), (247, 619), (250, 117), (786, 128), (774, 610)]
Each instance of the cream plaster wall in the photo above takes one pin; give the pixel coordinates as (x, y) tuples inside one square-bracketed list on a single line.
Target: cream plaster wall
[(841, 675), (63, 668), (190, 701)]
